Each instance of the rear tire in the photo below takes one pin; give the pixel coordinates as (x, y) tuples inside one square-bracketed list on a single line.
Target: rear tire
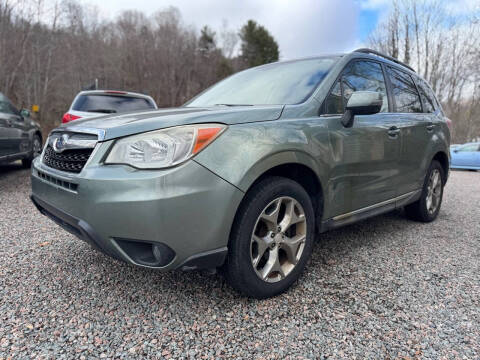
[(426, 208), (271, 239)]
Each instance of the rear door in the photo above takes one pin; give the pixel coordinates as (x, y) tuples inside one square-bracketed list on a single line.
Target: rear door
[(12, 138), (416, 129), (365, 156)]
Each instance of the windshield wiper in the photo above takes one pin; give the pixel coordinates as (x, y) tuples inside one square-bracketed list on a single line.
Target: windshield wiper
[(233, 105), (106, 111)]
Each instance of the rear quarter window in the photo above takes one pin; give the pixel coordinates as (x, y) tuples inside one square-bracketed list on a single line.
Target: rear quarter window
[(110, 104)]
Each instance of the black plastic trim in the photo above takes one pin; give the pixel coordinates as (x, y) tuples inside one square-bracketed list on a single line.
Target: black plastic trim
[(205, 260), (385, 56)]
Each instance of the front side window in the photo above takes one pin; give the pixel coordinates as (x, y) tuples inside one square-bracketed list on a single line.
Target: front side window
[(357, 76), (404, 91), (283, 83), (334, 101)]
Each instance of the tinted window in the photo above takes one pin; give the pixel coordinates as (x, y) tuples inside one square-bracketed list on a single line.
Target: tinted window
[(7, 108), (469, 147), (334, 102), (357, 76), (110, 104), (279, 83), (427, 96), (405, 93)]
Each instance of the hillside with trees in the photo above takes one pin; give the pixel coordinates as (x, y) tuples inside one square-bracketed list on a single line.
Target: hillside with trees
[(49, 54)]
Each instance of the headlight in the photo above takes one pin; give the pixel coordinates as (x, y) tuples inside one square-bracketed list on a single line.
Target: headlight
[(163, 148)]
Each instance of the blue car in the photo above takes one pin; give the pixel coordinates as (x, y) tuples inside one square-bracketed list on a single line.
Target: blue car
[(466, 156)]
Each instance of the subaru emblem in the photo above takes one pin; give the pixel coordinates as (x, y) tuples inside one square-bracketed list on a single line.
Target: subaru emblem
[(60, 143)]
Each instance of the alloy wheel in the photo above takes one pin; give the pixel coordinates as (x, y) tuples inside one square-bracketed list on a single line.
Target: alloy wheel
[(37, 147), (278, 239), (434, 191)]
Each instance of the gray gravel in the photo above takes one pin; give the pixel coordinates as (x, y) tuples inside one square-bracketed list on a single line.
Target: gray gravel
[(384, 288)]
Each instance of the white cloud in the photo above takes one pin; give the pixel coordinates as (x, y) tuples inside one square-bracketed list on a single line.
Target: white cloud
[(301, 27)]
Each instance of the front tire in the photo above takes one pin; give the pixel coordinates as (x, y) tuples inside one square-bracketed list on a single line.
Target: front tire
[(36, 150), (426, 208), (271, 239)]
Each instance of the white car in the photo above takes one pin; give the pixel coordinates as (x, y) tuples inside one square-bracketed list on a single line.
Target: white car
[(99, 102)]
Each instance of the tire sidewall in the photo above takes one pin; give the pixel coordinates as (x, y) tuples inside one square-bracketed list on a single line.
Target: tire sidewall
[(254, 207), (423, 200)]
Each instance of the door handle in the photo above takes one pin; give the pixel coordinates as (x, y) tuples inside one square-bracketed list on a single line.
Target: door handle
[(430, 126), (393, 131), (9, 122)]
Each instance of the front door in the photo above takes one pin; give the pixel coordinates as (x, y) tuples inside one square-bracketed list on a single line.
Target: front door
[(364, 163)]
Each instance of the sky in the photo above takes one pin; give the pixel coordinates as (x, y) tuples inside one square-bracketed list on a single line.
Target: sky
[(301, 27)]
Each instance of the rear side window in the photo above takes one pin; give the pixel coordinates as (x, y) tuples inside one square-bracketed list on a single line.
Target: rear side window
[(357, 76), (110, 104), (404, 91), (7, 108)]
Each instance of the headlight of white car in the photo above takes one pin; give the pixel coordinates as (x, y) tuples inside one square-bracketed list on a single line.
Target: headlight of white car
[(163, 148)]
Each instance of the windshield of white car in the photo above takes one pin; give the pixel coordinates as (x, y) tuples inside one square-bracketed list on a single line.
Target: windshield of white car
[(290, 82)]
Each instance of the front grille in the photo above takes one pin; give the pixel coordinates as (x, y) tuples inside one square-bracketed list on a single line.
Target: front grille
[(69, 160)]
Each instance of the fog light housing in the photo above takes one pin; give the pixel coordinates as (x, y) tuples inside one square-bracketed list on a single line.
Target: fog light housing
[(151, 254)]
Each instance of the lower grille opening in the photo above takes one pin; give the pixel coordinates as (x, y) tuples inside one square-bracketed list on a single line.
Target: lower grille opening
[(146, 253), (69, 160), (53, 180)]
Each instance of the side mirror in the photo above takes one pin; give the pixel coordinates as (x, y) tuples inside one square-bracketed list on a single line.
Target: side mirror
[(361, 103), (25, 113)]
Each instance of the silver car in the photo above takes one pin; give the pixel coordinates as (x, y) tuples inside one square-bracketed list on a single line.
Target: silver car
[(100, 102)]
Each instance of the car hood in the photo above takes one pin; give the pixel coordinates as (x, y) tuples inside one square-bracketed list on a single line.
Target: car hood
[(114, 126)]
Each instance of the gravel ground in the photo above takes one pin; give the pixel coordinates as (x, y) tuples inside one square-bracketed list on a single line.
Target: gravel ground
[(384, 288)]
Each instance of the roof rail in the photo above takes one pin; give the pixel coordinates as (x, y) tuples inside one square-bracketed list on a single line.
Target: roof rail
[(378, 53)]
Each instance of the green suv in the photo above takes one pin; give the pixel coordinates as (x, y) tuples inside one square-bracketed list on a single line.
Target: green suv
[(244, 175)]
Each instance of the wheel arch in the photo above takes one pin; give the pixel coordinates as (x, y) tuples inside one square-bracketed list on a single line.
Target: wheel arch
[(301, 172), (39, 133), (442, 158)]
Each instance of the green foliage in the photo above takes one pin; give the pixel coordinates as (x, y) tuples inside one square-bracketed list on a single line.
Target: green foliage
[(206, 42), (258, 46), (224, 68)]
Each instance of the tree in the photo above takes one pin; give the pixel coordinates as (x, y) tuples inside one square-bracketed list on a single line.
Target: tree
[(444, 48), (258, 46), (207, 42)]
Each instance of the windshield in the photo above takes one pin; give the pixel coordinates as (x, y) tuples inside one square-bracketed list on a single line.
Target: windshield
[(110, 103), (273, 84)]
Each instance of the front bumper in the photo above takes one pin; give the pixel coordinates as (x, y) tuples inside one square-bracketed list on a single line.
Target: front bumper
[(164, 219)]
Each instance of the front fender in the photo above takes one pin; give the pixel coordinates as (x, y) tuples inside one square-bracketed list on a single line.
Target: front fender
[(244, 152)]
